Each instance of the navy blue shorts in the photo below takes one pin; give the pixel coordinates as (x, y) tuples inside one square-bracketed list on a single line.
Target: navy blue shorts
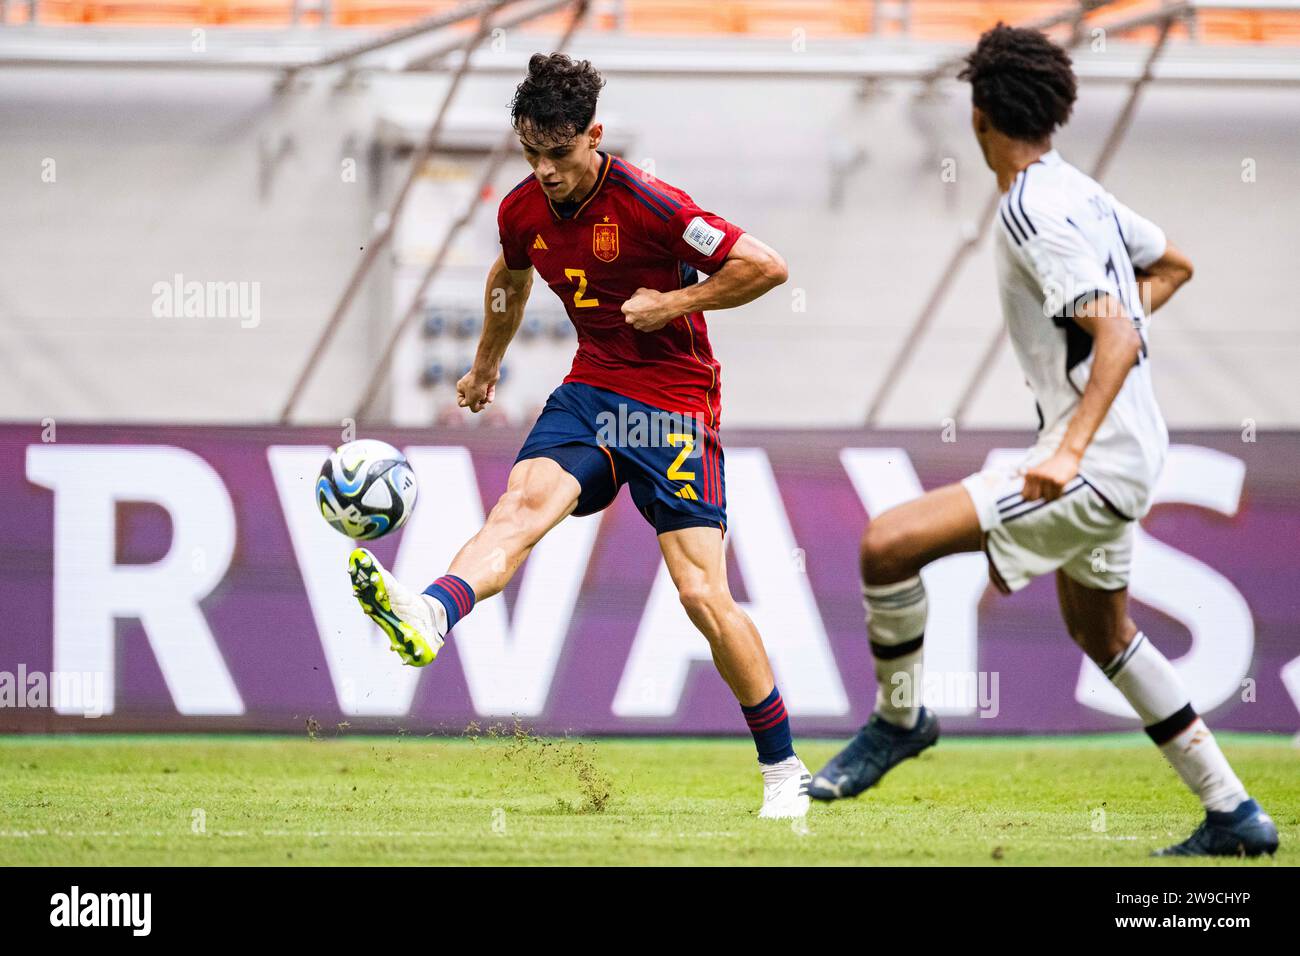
[(671, 461)]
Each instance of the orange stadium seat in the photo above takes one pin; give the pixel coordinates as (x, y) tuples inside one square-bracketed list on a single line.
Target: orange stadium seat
[(758, 17), (363, 13), (1254, 26), (940, 20), (963, 19)]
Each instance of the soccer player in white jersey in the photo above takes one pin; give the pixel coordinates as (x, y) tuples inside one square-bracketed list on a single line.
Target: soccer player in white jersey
[(1079, 272)]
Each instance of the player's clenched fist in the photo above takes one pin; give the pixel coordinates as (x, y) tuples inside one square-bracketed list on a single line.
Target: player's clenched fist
[(476, 390), (1048, 479), (648, 310)]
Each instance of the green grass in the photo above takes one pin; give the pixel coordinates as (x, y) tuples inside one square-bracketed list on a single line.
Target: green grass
[(122, 800)]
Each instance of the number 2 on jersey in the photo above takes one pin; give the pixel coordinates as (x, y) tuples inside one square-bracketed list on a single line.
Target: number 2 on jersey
[(580, 276), (675, 472)]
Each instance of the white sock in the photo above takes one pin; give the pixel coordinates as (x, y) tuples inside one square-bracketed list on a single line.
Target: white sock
[(1195, 754), (896, 626), (1149, 682), (439, 614)]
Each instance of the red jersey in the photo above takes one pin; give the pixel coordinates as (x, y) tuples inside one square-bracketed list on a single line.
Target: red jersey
[(630, 232)]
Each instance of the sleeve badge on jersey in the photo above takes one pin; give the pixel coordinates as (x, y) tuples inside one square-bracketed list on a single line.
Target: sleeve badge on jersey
[(604, 241), (702, 237)]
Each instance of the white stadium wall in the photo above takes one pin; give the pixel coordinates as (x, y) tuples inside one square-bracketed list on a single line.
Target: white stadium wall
[(157, 174)]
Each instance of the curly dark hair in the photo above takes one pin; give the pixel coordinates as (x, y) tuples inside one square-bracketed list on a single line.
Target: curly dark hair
[(558, 99), (1021, 81)]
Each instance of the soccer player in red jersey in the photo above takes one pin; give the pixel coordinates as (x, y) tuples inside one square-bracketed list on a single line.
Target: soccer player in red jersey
[(640, 406)]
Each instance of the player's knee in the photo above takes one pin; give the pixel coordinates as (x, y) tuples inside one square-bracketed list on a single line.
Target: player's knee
[(1100, 644), (520, 512), (1098, 649), (1108, 643), (883, 554), (706, 604), (697, 597)]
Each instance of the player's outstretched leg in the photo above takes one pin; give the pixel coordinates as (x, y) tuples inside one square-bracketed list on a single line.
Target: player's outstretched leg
[(894, 549), (1234, 824), (538, 496), (697, 563)]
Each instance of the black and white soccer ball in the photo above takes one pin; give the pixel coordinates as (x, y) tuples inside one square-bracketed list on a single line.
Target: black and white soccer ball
[(366, 489)]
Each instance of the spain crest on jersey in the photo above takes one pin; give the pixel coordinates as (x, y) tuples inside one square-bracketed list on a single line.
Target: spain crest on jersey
[(604, 241)]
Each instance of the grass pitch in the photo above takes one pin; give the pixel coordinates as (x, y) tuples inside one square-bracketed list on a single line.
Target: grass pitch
[(517, 799)]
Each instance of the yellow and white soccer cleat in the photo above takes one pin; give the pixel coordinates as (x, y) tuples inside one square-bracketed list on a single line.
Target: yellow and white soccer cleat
[(415, 623)]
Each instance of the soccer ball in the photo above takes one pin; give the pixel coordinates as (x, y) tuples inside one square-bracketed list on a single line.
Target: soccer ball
[(366, 489)]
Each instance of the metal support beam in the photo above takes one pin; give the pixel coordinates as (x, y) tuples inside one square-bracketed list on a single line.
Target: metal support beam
[(380, 373), (947, 278), (380, 240), (468, 10)]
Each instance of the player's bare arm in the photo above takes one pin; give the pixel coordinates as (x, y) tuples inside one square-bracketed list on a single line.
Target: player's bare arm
[(1116, 344), (1159, 281), (751, 269), (503, 309)]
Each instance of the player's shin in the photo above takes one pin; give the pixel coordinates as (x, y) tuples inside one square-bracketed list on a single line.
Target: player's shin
[(896, 626), (770, 726), (1151, 685)]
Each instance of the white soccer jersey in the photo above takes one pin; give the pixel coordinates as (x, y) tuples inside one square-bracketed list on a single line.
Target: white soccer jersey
[(1064, 239)]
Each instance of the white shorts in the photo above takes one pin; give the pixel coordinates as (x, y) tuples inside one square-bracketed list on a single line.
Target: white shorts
[(1079, 533)]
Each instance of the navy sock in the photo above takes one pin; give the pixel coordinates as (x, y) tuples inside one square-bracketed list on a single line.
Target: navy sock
[(770, 725), (454, 594)]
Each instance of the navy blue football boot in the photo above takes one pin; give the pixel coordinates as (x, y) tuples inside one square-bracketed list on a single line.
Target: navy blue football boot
[(875, 748), (1246, 831)]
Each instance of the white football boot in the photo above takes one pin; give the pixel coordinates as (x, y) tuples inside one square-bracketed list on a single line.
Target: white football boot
[(415, 623), (785, 790)]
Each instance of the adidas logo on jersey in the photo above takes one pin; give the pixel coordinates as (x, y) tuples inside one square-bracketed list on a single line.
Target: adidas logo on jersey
[(539, 243), (687, 492)]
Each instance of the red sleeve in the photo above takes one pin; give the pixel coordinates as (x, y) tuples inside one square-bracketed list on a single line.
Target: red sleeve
[(699, 237), (513, 249)]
